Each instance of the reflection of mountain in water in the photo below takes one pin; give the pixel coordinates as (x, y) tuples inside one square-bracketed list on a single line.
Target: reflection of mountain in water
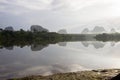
[(38, 47), (113, 44), (62, 43), (97, 45), (113, 30), (86, 44)]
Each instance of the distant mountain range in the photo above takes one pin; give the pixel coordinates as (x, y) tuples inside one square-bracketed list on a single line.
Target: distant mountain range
[(97, 30), (110, 25)]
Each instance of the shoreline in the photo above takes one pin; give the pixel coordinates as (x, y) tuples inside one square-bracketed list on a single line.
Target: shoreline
[(101, 74)]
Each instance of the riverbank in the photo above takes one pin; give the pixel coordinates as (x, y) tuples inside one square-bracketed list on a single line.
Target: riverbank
[(106, 74)]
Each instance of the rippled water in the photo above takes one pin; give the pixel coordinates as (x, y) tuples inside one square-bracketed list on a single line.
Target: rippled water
[(58, 58)]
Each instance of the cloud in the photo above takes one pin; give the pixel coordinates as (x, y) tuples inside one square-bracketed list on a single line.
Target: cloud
[(34, 4), (54, 5), (49, 70), (20, 70), (21, 6), (57, 14), (71, 5)]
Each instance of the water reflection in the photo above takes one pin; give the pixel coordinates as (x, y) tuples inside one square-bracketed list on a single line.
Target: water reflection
[(46, 59), (62, 43), (6, 72), (38, 47), (113, 44), (56, 68), (1, 47), (86, 44), (9, 48), (33, 47), (96, 44)]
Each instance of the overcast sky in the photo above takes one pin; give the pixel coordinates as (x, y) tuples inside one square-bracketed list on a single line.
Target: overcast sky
[(57, 14)]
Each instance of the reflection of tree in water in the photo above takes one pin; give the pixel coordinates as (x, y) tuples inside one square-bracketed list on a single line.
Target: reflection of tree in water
[(97, 45), (1, 47), (38, 47), (62, 43), (9, 48)]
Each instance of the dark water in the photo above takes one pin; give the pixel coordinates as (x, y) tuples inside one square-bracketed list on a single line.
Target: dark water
[(58, 58)]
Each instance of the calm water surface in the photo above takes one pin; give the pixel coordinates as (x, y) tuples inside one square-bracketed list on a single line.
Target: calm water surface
[(58, 58)]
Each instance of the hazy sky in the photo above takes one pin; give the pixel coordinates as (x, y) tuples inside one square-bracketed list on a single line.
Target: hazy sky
[(58, 14)]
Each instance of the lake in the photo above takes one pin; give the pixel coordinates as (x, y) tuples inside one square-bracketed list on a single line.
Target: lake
[(62, 57)]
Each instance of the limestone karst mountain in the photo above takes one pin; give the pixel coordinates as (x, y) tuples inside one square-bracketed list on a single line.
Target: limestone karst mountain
[(38, 28), (98, 29), (62, 31), (85, 31), (107, 24)]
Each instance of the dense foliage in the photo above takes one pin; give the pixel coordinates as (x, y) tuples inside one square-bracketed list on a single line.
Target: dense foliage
[(108, 37), (22, 37)]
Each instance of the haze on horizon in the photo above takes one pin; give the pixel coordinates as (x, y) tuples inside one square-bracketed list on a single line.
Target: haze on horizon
[(73, 15)]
